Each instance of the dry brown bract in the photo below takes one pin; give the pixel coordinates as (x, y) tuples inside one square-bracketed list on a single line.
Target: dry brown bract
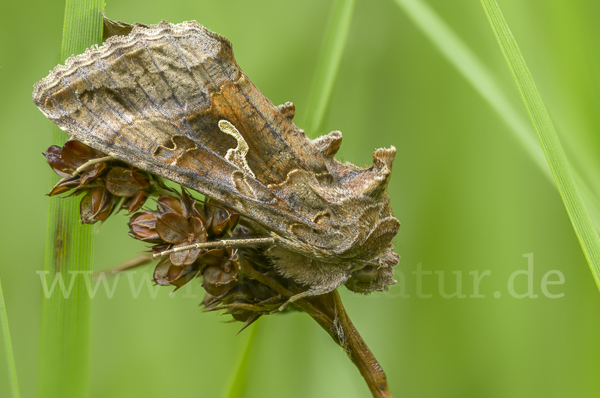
[(104, 181)]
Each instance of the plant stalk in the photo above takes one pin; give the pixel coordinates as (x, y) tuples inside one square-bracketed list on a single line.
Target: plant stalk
[(329, 312), (65, 331), (582, 222), (14, 383)]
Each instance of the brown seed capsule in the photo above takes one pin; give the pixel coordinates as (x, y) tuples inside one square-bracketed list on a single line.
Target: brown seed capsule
[(219, 280), (105, 183), (168, 274), (75, 154), (134, 203), (54, 158), (169, 204), (125, 182), (142, 226)]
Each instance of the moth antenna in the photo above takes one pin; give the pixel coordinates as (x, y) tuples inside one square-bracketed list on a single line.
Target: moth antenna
[(92, 162), (216, 244), (125, 266)]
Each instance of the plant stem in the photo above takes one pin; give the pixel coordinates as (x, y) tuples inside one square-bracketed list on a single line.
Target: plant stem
[(14, 383), (329, 312), (238, 382), (64, 347), (557, 160), (328, 64)]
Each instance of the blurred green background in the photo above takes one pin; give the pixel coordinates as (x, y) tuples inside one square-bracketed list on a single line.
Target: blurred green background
[(468, 195)]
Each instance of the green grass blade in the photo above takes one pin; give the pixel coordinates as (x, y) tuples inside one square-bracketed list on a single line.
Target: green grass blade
[(64, 347), (565, 181), (476, 73), (483, 81), (238, 378), (328, 65), (14, 384)]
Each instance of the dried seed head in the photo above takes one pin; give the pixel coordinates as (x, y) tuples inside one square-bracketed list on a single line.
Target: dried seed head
[(103, 183), (180, 220)]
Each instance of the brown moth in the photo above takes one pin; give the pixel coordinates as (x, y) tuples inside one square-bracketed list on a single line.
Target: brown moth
[(171, 100)]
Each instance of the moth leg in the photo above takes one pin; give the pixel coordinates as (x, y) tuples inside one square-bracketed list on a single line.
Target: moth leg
[(319, 276), (92, 162), (307, 293), (313, 291)]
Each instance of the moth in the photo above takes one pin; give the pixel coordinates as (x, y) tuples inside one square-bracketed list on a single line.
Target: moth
[(170, 99)]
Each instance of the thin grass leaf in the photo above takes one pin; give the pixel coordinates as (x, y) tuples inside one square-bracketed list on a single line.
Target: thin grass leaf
[(483, 81), (328, 65), (476, 73), (14, 383), (238, 378), (565, 181), (64, 348)]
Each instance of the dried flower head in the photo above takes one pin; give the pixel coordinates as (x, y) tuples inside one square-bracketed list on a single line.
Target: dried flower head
[(228, 274), (106, 183)]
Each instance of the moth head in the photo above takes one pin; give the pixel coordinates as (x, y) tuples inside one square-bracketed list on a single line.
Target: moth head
[(374, 275)]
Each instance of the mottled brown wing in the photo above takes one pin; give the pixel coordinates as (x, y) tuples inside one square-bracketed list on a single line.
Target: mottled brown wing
[(154, 99)]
